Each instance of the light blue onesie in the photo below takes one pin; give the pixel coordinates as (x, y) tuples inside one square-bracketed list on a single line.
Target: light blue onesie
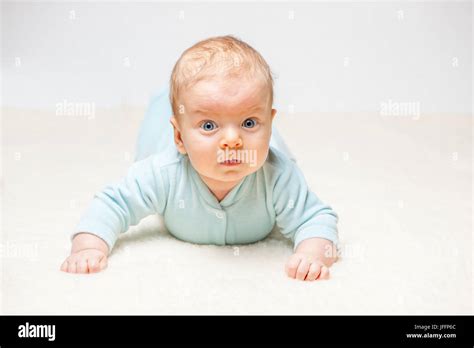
[(163, 181)]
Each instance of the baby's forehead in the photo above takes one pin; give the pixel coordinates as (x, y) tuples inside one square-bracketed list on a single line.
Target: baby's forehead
[(215, 103), (217, 96)]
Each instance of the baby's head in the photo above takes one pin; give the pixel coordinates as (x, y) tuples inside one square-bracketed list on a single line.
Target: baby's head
[(221, 92)]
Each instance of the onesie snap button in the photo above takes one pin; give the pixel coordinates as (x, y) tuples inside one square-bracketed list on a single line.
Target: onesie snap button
[(219, 214)]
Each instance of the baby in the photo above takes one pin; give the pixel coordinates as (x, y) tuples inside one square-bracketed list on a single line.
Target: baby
[(227, 178)]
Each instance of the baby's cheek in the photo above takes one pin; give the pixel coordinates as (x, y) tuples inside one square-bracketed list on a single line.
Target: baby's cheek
[(202, 148), (204, 160), (263, 153), (257, 158)]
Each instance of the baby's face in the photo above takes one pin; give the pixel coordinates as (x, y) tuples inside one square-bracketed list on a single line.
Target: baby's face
[(224, 126)]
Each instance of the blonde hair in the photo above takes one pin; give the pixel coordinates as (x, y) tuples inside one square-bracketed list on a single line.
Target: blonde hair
[(221, 55)]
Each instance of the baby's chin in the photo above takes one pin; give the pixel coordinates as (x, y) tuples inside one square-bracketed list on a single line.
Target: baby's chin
[(232, 174)]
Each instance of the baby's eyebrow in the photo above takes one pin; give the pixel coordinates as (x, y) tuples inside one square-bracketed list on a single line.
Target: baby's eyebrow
[(198, 111), (206, 112), (255, 108)]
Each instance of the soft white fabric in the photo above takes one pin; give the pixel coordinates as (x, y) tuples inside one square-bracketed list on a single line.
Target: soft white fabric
[(407, 237)]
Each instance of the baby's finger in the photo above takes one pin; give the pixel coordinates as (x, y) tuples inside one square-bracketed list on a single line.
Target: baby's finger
[(324, 273), (82, 266), (303, 269), (64, 266), (292, 266), (103, 263), (314, 271), (94, 265), (71, 268)]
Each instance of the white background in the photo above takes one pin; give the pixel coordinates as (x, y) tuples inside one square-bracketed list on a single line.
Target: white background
[(341, 56)]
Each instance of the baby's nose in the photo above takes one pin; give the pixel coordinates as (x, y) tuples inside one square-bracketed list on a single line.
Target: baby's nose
[(231, 139)]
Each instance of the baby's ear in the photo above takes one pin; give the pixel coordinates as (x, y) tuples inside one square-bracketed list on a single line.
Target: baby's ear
[(274, 111), (177, 135)]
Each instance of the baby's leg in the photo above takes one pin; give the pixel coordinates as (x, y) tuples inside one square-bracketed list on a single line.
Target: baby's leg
[(276, 141), (156, 131)]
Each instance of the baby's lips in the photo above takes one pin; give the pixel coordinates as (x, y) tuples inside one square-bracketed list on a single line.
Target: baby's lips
[(231, 161)]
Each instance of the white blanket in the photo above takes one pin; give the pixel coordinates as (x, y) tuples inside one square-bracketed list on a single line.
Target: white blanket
[(402, 188)]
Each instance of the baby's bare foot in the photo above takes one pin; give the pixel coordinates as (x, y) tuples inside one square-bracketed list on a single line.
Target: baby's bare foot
[(85, 261)]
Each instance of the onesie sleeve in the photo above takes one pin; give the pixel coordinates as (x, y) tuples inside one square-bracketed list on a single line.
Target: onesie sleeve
[(124, 203), (300, 214)]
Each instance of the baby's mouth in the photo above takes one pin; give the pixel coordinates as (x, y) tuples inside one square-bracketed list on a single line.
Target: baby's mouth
[(231, 162)]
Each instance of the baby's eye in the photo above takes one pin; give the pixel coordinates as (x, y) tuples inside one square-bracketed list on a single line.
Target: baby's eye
[(249, 123), (208, 126)]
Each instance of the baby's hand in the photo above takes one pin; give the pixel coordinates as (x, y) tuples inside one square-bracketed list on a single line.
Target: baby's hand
[(306, 267), (85, 261)]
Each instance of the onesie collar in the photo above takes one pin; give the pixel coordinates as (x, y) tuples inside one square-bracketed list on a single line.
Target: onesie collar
[(234, 195)]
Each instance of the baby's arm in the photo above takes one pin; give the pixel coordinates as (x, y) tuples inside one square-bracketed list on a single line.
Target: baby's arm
[(309, 222), (111, 212)]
